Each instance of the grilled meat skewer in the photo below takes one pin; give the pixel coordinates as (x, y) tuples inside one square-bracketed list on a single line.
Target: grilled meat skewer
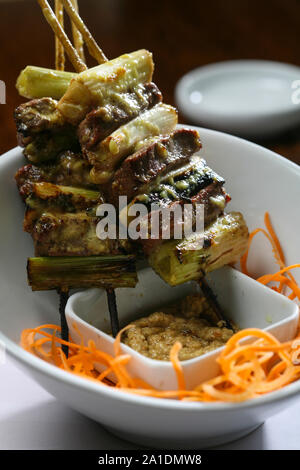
[(69, 169), (104, 120), (159, 120), (43, 131), (110, 134), (151, 162)]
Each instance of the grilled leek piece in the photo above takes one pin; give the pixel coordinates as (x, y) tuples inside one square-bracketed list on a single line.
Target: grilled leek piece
[(42, 197), (105, 83), (225, 241), (161, 119), (37, 82), (109, 272)]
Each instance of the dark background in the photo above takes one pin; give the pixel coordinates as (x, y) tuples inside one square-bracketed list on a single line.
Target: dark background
[(181, 34)]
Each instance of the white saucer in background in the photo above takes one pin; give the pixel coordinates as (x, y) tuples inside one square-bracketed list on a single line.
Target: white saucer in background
[(253, 98)]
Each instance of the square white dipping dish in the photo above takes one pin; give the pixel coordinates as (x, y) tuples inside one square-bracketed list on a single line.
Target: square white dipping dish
[(244, 301)]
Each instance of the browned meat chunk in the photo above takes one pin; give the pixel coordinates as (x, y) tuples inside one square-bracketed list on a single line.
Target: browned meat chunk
[(104, 120), (193, 183), (145, 165), (36, 116), (214, 199), (42, 130), (72, 235), (69, 169)]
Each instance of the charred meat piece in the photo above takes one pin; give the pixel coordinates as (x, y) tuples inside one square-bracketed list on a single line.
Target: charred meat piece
[(150, 162), (56, 234), (42, 130), (69, 169), (183, 183), (104, 120), (36, 116), (48, 145), (109, 154), (212, 210), (194, 184)]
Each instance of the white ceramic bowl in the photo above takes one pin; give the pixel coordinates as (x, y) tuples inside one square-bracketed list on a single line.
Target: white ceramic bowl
[(253, 98), (258, 180)]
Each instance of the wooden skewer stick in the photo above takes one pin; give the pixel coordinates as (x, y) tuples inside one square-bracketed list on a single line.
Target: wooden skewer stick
[(63, 298), (213, 302), (113, 312), (77, 36), (59, 48), (61, 35), (90, 42)]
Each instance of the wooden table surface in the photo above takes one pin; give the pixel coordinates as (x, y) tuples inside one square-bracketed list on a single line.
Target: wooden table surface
[(181, 34)]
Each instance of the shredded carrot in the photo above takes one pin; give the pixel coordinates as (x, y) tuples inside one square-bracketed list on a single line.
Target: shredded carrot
[(273, 235), (279, 258), (244, 258), (177, 366), (247, 370)]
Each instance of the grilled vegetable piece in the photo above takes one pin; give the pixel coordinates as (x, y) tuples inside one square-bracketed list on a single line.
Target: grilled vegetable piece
[(65, 196), (47, 196), (161, 119), (110, 272), (106, 83), (69, 169), (104, 120), (225, 241), (37, 82), (150, 163), (56, 234)]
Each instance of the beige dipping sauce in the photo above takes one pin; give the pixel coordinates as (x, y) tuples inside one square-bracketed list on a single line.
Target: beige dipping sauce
[(191, 322)]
